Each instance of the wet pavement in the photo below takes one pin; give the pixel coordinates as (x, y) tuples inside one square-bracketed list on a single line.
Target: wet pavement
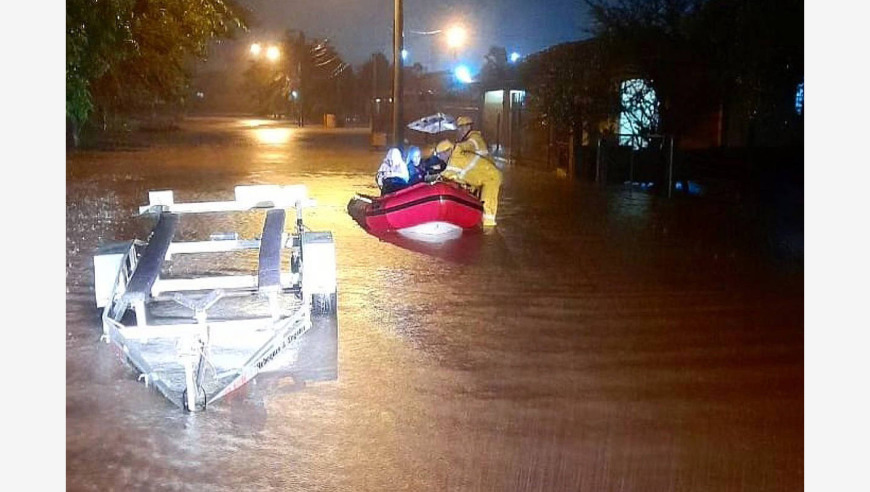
[(594, 340)]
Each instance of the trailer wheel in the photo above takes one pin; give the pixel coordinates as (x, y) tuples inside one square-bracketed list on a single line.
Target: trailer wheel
[(324, 304)]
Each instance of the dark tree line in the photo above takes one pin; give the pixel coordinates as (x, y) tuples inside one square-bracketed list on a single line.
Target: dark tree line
[(572, 86), (696, 54), (129, 55), (310, 78)]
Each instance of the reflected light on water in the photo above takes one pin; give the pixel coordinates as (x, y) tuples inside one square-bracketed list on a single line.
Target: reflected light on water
[(272, 136), (254, 123), (273, 157)]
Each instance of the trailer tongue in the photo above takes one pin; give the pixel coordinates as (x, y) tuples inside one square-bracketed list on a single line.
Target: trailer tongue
[(198, 337)]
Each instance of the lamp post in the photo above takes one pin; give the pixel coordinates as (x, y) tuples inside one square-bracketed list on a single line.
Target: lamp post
[(398, 39)]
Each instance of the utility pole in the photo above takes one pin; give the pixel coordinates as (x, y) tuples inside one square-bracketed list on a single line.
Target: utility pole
[(374, 90), (398, 38)]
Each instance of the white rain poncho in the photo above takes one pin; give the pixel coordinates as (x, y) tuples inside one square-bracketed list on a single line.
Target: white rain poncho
[(393, 166)]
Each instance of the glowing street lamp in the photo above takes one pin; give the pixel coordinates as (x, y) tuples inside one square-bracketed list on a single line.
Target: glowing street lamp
[(273, 53), (255, 49), (514, 57), (456, 37)]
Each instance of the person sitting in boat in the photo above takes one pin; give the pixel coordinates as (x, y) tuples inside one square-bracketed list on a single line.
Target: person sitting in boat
[(414, 164), (397, 172)]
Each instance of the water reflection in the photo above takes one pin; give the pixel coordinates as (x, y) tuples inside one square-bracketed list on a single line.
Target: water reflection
[(273, 136), (253, 123), (464, 249), (272, 157)]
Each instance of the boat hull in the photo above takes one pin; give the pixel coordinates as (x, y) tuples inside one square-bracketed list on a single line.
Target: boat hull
[(441, 207)]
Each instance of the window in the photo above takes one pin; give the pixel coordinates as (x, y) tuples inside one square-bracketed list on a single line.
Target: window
[(517, 98), (639, 116)]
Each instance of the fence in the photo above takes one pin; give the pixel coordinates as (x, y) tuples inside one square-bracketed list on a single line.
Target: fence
[(637, 161)]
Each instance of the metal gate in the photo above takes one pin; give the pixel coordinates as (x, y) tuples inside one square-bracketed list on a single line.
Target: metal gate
[(637, 161)]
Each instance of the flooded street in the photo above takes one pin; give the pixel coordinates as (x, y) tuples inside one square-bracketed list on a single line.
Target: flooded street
[(594, 340)]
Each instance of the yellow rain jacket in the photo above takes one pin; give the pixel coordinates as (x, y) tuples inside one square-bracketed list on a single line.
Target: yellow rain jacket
[(470, 163)]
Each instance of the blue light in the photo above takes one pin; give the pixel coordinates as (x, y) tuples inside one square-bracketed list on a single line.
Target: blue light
[(514, 57), (463, 74), (404, 54), (799, 99), (695, 188)]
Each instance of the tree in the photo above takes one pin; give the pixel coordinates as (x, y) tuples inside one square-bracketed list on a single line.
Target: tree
[(571, 86), (653, 40), (757, 49), (697, 54), (131, 54), (366, 88), (269, 86), (312, 70), (495, 69), (324, 74), (96, 39), (377, 66)]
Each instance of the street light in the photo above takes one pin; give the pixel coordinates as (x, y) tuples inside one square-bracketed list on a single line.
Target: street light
[(456, 37), (273, 53)]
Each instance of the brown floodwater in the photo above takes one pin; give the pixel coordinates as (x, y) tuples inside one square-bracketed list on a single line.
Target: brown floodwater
[(596, 339)]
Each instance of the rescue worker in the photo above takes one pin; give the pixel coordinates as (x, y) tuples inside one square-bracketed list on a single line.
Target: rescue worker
[(470, 163)]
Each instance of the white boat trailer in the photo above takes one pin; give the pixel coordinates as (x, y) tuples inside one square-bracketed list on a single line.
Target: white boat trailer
[(196, 339)]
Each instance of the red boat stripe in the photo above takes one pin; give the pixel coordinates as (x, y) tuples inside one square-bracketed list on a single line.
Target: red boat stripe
[(424, 200)]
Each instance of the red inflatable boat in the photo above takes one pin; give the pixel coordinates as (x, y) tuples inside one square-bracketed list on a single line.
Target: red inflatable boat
[(425, 209)]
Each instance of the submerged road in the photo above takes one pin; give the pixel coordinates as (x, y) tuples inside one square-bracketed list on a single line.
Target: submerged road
[(594, 340)]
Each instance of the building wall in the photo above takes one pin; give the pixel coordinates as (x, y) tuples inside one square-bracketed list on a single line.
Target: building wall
[(705, 134)]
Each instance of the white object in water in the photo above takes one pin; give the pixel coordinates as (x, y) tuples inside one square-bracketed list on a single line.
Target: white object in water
[(432, 232)]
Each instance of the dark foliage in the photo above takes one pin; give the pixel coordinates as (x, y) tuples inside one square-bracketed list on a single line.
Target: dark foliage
[(309, 79), (699, 54), (572, 85), (129, 55)]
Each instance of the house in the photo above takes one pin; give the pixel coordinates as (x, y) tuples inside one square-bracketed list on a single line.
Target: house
[(568, 100)]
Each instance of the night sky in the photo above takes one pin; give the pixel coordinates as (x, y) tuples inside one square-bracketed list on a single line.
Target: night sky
[(359, 27)]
